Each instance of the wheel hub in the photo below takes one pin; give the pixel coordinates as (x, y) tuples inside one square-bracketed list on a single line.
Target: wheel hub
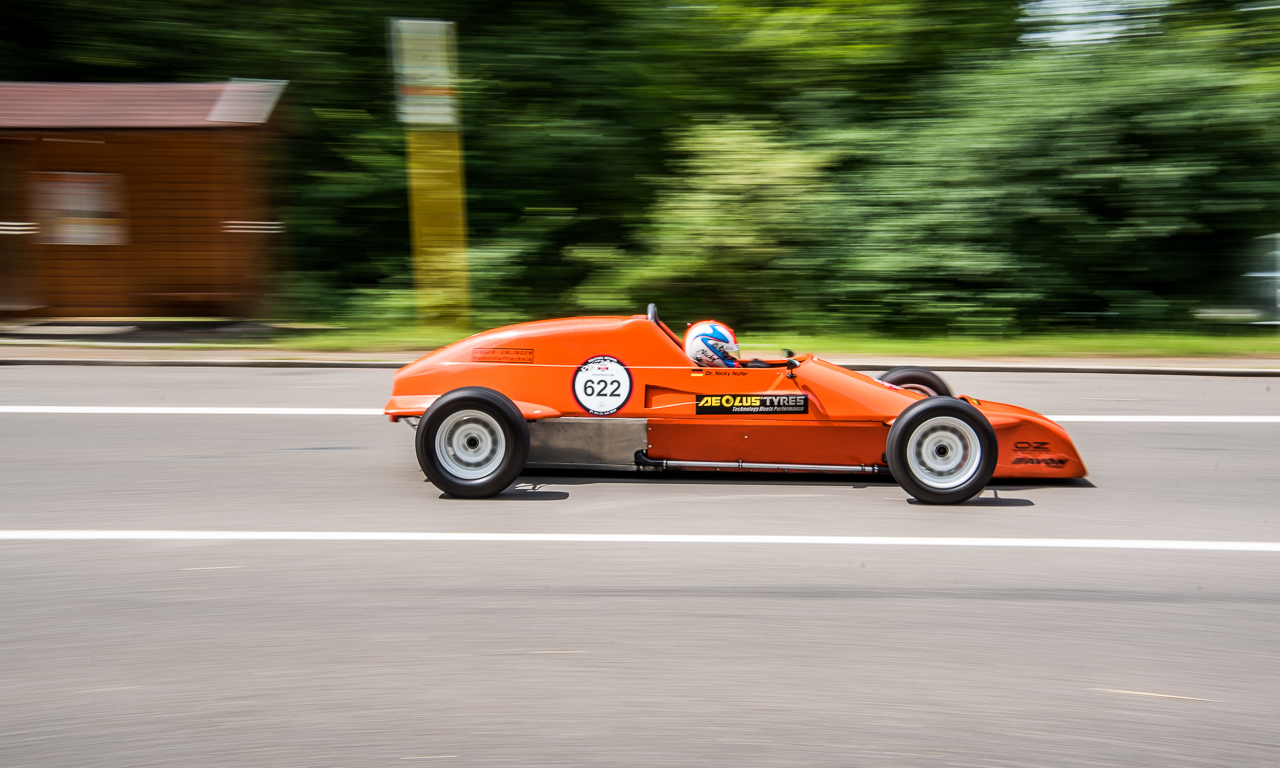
[(944, 452), (470, 445)]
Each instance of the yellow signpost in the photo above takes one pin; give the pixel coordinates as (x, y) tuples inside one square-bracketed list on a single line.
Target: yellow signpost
[(426, 98)]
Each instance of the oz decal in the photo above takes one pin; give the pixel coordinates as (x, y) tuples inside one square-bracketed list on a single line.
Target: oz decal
[(752, 404), (602, 385), (1022, 446)]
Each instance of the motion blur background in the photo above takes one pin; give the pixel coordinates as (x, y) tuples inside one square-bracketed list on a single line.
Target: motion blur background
[(900, 167), (929, 175)]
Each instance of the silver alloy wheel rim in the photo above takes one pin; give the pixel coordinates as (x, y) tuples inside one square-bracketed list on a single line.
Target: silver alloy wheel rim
[(944, 453), (919, 389), (470, 445)]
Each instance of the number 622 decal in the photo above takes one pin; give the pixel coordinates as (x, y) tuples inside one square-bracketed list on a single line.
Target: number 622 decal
[(602, 385)]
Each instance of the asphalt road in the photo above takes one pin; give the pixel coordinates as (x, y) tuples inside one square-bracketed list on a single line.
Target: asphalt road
[(356, 653)]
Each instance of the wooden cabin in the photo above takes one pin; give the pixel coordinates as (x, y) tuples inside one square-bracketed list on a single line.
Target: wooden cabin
[(135, 200)]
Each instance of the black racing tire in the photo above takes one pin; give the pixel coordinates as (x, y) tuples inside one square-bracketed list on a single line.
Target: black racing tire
[(472, 443), (942, 450), (921, 380)]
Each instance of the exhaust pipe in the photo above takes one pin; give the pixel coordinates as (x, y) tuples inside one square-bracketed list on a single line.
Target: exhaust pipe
[(642, 459)]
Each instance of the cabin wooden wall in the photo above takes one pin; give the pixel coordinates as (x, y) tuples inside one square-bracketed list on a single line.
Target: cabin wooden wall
[(179, 257), (15, 242)]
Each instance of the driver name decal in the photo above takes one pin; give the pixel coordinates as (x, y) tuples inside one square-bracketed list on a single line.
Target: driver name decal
[(713, 404), (602, 385), (501, 355)]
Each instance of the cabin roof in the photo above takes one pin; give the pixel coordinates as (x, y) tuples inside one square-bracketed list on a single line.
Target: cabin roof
[(138, 105)]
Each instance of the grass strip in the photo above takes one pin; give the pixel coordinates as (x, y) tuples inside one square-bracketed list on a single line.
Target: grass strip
[(1095, 344)]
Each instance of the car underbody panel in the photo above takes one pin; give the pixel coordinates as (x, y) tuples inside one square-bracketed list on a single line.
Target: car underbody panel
[(587, 443)]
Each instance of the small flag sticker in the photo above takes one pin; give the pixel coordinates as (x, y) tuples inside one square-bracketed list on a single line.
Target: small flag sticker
[(695, 373)]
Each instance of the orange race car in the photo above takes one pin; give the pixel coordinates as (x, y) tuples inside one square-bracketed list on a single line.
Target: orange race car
[(623, 393)]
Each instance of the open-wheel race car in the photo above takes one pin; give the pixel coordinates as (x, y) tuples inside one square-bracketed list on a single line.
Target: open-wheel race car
[(620, 393)]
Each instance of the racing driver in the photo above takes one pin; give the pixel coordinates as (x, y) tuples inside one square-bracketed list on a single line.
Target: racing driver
[(712, 344)]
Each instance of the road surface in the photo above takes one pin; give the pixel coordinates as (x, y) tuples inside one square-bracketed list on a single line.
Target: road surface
[(562, 652)]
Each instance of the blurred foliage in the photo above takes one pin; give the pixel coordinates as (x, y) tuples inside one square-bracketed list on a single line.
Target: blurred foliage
[(874, 166)]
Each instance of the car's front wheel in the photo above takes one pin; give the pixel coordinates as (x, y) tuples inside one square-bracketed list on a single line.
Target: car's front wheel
[(472, 443), (942, 450)]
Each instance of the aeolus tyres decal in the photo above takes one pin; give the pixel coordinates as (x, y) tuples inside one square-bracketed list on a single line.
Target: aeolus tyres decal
[(713, 404), (602, 385)]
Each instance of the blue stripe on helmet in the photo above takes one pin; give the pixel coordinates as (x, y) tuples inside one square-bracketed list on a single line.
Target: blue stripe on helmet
[(718, 334)]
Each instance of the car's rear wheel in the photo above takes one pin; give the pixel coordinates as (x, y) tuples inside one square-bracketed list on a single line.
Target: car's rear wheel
[(472, 443), (921, 380), (942, 450)]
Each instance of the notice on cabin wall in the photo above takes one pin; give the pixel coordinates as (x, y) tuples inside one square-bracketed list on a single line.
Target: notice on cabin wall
[(80, 208)]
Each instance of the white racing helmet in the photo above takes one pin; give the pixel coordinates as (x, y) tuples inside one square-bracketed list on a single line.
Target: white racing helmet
[(711, 344)]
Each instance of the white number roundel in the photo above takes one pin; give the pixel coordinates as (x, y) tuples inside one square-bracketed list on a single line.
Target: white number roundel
[(602, 385)]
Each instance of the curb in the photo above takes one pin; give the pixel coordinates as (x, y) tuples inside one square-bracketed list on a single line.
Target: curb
[(1148, 370), (205, 363)]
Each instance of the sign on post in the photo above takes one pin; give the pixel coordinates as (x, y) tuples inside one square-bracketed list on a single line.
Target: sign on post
[(425, 63)]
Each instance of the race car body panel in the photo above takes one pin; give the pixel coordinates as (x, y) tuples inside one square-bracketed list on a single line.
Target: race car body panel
[(573, 378), (1030, 444), (400, 406), (768, 440), (415, 405)]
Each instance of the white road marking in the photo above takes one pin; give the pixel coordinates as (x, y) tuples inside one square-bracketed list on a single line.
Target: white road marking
[(212, 568), (637, 538), (161, 410), (184, 410), (1154, 695)]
